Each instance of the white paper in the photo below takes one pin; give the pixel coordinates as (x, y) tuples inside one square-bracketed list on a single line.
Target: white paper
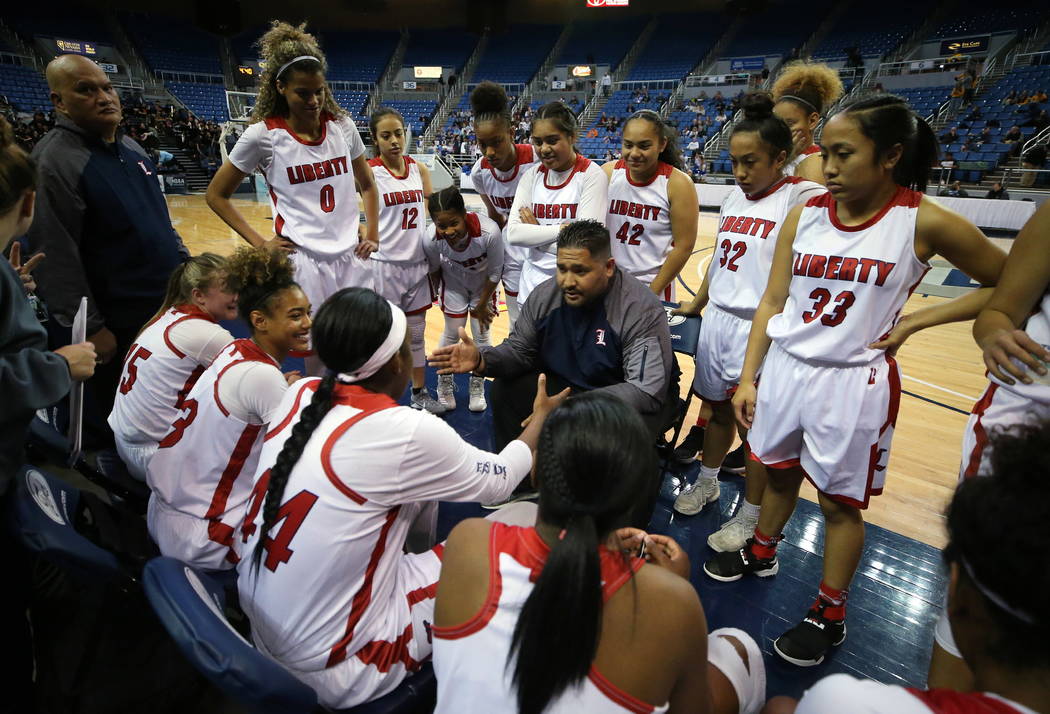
[(76, 395)]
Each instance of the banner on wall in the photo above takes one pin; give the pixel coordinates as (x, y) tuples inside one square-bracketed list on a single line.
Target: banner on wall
[(75, 47), (737, 64), (607, 3), (965, 45)]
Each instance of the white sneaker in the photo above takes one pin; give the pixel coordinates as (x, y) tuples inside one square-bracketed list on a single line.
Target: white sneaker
[(423, 400), (477, 394), (446, 391), (733, 534), (693, 498)]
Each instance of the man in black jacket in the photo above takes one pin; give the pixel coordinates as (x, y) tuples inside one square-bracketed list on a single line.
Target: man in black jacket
[(102, 221)]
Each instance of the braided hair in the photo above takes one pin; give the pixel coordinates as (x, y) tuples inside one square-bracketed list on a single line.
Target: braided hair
[(447, 199), (593, 459), (671, 154), (489, 102), (348, 328)]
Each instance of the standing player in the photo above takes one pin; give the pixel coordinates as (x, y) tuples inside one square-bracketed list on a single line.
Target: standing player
[(201, 474), (466, 259), (496, 174), (749, 222), (310, 154), (325, 581), (168, 357), (1013, 331), (803, 92), (564, 187), (399, 266), (845, 263), (653, 209)]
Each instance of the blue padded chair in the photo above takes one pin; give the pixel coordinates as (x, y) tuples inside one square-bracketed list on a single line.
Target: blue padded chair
[(190, 606), (41, 514)]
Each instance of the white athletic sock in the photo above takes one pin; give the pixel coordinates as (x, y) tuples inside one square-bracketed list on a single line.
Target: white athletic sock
[(749, 511), (710, 473)]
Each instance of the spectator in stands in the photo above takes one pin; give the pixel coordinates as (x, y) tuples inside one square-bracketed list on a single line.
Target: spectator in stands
[(997, 192), (1013, 135), (951, 136), (103, 223), (955, 190), (1010, 98), (1040, 121), (1034, 158), (948, 162), (974, 115), (985, 136)]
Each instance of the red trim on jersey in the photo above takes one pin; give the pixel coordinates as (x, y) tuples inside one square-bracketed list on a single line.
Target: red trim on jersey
[(282, 123), (523, 155), (774, 187), (310, 386), (250, 352), (218, 531), (190, 381), (420, 594), (491, 603), (278, 220), (581, 164), (813, 149), (194, 313), (364, 595), (662, 169), (945, 701), (973, 464), (378, 161), (901, 197), (369, 403), (473, 225), (383, 655), (617, 695), (894, 377)]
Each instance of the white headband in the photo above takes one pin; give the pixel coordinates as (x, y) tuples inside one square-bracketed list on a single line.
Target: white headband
[(394, 339), (286, 65)]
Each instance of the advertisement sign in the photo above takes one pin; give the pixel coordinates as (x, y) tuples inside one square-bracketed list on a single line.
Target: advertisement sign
[(426, 72), (174, 183), (737, 64), (965, 45), (607, 3), (583, 70), (75, 47)]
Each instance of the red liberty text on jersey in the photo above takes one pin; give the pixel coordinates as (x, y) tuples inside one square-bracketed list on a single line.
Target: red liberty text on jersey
[(502, 201), (470, 262), (747, 225), (395, 198), (631, 209), (554, 210), (837, 267), (317, 170)]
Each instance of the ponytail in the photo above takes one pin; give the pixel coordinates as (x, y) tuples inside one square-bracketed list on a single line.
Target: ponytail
[(447, 199), (888, 120), (594, 458), (759, 118), (671, 154), (373, 122), (562, 118), (199, 272)]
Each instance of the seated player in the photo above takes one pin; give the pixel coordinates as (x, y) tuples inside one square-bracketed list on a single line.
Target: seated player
[(591, 327), (532, 619), (996, 598), (168, 356), (345, 472), (201, 474), (466, 260)]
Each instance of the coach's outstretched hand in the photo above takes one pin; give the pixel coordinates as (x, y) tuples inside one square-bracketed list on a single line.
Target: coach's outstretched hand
[(459, 358)]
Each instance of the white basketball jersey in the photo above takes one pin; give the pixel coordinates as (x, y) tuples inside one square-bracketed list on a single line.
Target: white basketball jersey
[(500, 186), (472, 264), (156, 378), (205, 464), (476, 652), (791, 167), (848, 283), (639, 221), (748, 227), (402, 214), (312, 191), (1038, 328), (554, 204)]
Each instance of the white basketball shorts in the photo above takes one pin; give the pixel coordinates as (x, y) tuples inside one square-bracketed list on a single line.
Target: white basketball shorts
[(458, 293), (720, 354), (404, 284), (998, 407)]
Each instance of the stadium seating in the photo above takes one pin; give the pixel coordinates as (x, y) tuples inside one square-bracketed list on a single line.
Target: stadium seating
[(207, 101), (678, 44), (174, 45), (777, 30), (24, 88), (355, 103), (875, 29), (358, 56), (417, 113), (514, 56), (981, 17), (447, 48), (601, 42)]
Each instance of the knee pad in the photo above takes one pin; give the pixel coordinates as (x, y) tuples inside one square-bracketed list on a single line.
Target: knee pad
[(417, 326), (451, 334), (479, 333), (748, 680), (512, 310)]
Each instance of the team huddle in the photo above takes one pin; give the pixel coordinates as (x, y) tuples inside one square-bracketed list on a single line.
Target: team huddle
[(321, 491)]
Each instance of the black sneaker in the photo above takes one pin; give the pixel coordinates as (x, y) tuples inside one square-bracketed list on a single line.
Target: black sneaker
[(691, 446), (806, 643), (734, 460), (728, 567)]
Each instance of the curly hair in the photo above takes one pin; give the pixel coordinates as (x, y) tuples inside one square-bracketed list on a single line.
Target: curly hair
[(281, 44), (812, 85), (257, 275)]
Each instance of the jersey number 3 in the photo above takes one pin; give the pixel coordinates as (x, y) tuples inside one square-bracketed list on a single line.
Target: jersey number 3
[(821, 298)]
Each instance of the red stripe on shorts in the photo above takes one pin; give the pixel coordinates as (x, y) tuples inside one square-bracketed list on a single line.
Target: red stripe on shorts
[(981, 434)]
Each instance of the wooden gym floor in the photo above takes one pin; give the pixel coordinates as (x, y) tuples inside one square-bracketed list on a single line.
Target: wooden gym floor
[(943, 377)]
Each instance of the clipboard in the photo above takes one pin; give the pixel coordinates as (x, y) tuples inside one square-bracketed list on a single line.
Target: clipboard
[(76, 394)]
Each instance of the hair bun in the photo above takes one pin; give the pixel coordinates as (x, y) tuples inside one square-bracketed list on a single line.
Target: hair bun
[(488, 98), (757, 105)]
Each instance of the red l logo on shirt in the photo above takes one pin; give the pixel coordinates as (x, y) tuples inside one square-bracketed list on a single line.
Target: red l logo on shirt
[(599, 336)]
